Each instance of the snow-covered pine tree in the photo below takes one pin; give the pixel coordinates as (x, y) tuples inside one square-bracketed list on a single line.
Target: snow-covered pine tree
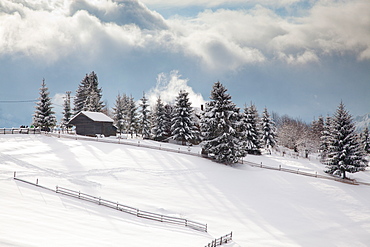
[(118, 113), (168, 115), (316, 130), (93, 102), (44, 115), (159, 123), (132, 116), (220, 122), (251, 130), (144, 118), (365, 140), (88, 95), (183, 128), (344, 152), (325, 140), (67, 114), (267, 130)]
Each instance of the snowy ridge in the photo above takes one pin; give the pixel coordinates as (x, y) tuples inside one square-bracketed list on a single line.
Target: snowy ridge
[(262, 207)]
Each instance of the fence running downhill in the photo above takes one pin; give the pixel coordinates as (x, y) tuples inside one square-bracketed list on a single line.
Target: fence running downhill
[(222, 240), (123, 208), (133, 211)]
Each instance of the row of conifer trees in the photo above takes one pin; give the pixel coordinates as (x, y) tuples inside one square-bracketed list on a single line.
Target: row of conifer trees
[(225, 132)]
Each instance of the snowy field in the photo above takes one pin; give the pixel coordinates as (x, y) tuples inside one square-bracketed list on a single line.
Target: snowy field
[(261, 207)]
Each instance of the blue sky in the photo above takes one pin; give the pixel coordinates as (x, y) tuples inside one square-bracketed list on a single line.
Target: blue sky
[(300, 58)]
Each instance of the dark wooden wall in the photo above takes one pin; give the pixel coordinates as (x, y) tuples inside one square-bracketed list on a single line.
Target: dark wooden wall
[(85, 126)]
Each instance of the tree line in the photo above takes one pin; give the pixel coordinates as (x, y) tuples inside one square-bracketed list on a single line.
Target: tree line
[(225, 132)]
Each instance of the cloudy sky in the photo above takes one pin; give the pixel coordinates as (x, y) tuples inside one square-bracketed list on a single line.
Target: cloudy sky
[(295, 57)]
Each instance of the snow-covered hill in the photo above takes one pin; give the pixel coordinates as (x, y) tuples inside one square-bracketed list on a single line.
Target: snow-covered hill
[(262, 207)]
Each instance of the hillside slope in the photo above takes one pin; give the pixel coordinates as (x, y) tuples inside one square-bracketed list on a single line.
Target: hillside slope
[(261, 207)]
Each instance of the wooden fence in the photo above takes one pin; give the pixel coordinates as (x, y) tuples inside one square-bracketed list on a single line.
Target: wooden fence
[(221, 240), (309, 174), (20, 131), (133, 211), (123, 208)]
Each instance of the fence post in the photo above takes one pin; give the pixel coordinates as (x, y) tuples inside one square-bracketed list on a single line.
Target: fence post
[(279, 167), (15, 174), (37, 181)]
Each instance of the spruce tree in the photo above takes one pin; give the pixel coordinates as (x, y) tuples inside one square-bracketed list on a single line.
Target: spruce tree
[(316, 130), (132, 116), (344, 151), (250, 127), (365, 140), (88, 95), (118, 113), (144, 118), (44, 115), (67, 114), (159, 122), (267, 130), (222, 139), (325, 140), (183, 128), (168, 115)]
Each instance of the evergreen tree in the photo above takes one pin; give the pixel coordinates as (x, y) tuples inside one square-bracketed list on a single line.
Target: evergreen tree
[(168, 115), (325, 140), (67, 114), (93, 102), (268, 130), (344, 151), (365, 140), (250, 127), (132, 116), (118, 113), (316, 130), (88, 95), (182, 127), (145, 118), (220, 127), (44, 115), (159, 123)]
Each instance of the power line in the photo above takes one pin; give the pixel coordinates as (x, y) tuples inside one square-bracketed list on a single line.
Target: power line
[(17, 101)]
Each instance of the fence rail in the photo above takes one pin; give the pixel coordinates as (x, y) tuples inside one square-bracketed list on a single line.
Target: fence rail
[(316, 175), (133, 211), (221, 240), (123, 208), (20, 131)]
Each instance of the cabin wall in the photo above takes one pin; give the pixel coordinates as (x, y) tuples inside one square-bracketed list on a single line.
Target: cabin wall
[(85, 126)]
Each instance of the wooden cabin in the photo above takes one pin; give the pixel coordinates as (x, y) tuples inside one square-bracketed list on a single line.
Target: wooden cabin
[(93, 123)]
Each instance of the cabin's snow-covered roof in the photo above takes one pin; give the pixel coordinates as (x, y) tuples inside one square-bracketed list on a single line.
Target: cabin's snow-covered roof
[(95, 116)]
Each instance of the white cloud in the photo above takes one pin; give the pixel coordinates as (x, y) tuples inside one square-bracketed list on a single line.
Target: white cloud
[(168, 87), (222, 40), (214, 3)]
